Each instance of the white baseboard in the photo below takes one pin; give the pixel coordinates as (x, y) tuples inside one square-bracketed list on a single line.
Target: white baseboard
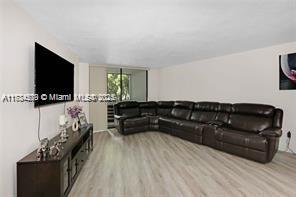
[(99, 131)]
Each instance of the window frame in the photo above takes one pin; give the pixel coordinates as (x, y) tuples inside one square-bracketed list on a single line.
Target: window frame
[(129, 87)]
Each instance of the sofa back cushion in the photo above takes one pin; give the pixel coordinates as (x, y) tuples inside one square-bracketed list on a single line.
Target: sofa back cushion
[(224, 112), (148, 108), (251, 117), (164, 108), (128, 108), (182, 109), (204, 111)]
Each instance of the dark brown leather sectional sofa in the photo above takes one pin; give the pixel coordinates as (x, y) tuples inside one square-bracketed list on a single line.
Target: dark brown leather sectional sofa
[(247, 130)]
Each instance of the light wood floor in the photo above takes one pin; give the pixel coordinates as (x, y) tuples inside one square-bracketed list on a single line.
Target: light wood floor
[(159, 165)]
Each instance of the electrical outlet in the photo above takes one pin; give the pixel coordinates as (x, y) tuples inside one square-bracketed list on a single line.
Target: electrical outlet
[(289, 135)]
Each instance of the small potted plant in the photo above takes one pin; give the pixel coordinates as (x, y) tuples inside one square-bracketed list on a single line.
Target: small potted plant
[(73, 111)]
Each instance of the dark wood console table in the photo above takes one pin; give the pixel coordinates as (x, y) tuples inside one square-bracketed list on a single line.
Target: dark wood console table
[(55, 176)]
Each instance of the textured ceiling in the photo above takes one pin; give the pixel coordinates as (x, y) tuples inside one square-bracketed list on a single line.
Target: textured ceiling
[(157, 33)]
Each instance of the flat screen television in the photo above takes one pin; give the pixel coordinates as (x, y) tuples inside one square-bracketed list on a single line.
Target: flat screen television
[(54, 77)]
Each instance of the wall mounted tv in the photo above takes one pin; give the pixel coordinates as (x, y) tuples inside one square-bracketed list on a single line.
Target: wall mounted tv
[(54, 77)]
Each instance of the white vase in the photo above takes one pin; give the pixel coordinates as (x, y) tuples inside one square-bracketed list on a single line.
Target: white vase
[(75, 125)]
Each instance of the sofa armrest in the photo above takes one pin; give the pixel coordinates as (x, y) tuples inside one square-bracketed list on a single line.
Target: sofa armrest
[(118, 117), (118, 121), (215, 123), (271, 132)]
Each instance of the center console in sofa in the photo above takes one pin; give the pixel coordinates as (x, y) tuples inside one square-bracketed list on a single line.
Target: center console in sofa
[(247, 130)]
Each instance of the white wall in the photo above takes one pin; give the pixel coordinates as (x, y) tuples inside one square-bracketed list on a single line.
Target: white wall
[(19, 124), (252, 76), (98, 85), (1, 91), (83, 81), (153, 84)]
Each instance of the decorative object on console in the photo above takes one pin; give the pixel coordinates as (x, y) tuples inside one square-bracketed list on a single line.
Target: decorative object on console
[(63, 126), (75, 125), (288, 71), (62, 120), (63, 135), (55, 149), (82, 120), (43, 150), (73, 112)]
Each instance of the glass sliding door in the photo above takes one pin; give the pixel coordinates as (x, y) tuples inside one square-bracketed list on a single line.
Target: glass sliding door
[(114, 89), (125, 88), (113, 83), (125, 85)]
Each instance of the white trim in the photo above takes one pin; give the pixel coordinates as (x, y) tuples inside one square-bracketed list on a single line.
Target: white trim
[(120, 66), (97, 131), (110, 133)]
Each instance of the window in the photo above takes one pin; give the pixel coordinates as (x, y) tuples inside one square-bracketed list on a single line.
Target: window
[(114, 86), (127, 84)]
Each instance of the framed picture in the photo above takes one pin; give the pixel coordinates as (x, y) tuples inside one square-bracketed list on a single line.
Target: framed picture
[(82, 120), (287, 65)]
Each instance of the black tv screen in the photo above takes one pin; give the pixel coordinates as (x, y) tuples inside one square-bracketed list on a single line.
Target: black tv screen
[(54, 77)]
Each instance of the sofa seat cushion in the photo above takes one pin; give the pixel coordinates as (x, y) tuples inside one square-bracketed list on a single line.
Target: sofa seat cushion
[(190, 126), (135, 122), (169, 122), (241, 138)]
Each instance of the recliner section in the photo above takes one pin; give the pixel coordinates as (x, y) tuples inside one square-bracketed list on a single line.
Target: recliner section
[(248, 130)]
